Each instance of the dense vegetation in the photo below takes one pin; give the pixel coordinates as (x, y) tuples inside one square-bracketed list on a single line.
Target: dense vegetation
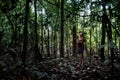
[(38, 39)]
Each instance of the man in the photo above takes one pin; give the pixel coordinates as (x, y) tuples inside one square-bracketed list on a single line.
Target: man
[(80, 43)]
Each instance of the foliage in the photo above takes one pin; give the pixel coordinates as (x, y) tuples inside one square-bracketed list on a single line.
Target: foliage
[(84, 15)]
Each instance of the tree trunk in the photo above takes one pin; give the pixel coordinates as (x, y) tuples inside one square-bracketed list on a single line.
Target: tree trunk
[(42, 37), (115, 37), (104, 25), (55, 43), (110, 41), (74, 39), (119, 43), (48, 43), (1, 37), (90, 42), (67, 40), (25, 34), (103, 37), (62, 30), (37, 52)]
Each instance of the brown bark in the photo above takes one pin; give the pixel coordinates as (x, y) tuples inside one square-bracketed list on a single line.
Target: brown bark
[(37, 52), (62, 30), (25, 33), (74, 40)]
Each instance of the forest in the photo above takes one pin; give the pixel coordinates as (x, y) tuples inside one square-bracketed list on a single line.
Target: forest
[(38, 39)]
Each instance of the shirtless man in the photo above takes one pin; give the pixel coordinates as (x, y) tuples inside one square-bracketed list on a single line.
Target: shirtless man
[(80, 43)]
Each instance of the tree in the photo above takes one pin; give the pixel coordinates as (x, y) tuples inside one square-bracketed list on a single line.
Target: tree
[(37, 52), (62, 30), (25, 46)]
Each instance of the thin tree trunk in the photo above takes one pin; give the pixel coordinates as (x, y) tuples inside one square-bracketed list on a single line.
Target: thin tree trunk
[(42, 37), (67, 46), (48, 43), (62, 30), (104, 25), (96, 40), (55, 43), (74, 40), (54, 48), (103, 39), (90, 43), (110, 40), (1, 37), (37, 52), (51, 43), (67, 40), (115, 38), (25, 34), (119, 43)]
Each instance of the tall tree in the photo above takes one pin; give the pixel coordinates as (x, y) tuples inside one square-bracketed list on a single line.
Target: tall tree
[(110, 40), (104, 25), (62, 30), (48, 40), (42, 35), (25, 34), (90, 41), (55, 40), (74, 39), (37, 52)]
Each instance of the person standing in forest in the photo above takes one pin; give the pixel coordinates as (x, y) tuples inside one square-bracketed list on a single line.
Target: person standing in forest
[(80, 43)]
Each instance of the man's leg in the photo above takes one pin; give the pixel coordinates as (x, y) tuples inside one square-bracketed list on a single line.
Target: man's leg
[(81, 58)]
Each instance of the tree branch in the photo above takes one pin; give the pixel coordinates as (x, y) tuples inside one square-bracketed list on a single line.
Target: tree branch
[(67, 9)]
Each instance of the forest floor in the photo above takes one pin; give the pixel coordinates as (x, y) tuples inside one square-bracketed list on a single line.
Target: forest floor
[(62, 69), (72, 69)]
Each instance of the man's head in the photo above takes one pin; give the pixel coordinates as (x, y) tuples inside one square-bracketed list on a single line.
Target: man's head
[(81, 34)]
